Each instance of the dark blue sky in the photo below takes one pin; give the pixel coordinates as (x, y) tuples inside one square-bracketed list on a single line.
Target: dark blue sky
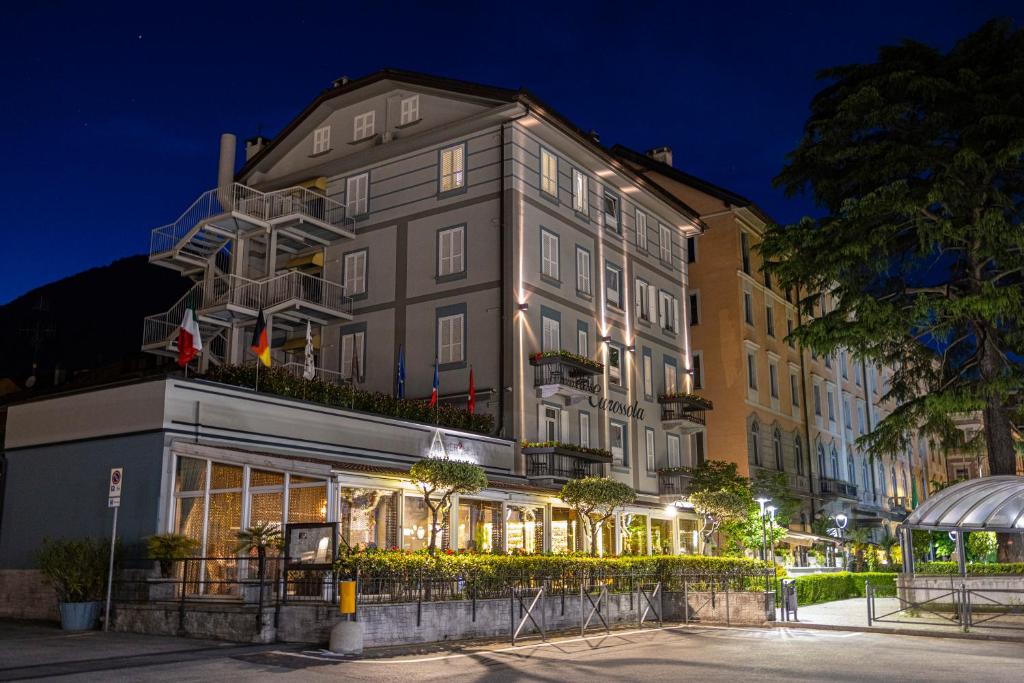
[(111, 116)]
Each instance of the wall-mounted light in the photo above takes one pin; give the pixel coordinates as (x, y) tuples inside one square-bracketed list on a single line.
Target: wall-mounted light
[(606, 338), (631, 348), (524, 306)]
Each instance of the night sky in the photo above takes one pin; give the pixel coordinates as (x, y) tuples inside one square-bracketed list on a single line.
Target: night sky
[(111, 117)]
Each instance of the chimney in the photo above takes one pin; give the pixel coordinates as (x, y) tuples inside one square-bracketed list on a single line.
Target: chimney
[(226, 171), (253, 146), (662, 154), (595, 136), (338, 82)]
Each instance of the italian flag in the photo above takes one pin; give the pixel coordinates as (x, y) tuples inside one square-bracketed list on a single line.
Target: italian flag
[(189, 341)]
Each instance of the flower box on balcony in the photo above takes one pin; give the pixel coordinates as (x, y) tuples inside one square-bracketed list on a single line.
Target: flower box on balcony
[(573, 360), (572, 450), (692, 401)]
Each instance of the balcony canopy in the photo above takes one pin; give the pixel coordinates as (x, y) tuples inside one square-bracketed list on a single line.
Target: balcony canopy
[(987, 504)]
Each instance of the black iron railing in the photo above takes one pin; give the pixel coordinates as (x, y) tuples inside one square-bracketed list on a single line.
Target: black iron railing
[(560, 466), (683, 408), (837, 488), (673, 483)]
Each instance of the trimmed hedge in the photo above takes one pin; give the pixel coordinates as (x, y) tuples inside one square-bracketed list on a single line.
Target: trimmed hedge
[(812, 589), (976, 568), (445, 565), (278, 381)]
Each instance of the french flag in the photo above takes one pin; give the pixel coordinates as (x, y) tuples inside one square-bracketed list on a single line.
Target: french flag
[(433, 393)]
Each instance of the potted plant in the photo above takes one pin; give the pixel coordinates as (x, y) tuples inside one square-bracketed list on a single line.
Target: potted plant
[(77, 570), (260, 537), (167, 549)]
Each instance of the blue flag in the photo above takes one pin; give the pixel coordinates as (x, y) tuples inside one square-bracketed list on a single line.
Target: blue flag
[(401, 372)]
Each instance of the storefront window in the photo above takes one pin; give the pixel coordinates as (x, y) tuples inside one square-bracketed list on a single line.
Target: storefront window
[(479, 525), (605, 537), (565, 533), (416, 521), (525, 528), (307, 500), (368, 517), (634, 536), (689, 537), (661, 536)]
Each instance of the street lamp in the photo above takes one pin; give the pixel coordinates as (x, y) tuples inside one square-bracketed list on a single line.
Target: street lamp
[(771, 526), (764, 539), (841, 522)]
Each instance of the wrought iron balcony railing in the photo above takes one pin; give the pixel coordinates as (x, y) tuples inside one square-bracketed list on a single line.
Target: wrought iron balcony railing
[(837, 488)]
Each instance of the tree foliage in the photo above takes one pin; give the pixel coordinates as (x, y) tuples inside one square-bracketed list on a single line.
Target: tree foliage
[(915, 162), (718, 494), (596, 499), (439, 479)]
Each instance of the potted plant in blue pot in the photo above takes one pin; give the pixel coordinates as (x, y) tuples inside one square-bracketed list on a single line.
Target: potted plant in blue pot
[(77, 570)]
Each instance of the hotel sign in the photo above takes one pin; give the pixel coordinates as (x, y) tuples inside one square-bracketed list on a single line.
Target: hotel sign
[(613, 407)]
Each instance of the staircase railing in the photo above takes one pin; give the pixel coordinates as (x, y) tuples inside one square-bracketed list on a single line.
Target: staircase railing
[(159, 327), (301, 200), (310, 289), (243, 199), (235, 290)]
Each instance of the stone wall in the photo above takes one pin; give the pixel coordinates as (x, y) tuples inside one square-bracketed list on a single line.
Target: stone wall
[(24, 594), (429, 622)]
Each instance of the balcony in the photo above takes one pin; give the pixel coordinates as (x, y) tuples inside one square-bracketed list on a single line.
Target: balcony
[(673, 484), (557, 463), (686, 413), (899, 507), (836, 488), (300, 217), (564, 373)]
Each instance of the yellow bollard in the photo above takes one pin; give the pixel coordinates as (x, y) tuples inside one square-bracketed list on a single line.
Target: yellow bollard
[(347, 597)]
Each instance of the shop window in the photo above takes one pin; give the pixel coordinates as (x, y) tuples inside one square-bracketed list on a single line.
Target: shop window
[(661, 536), (565, 531), (689, 537), (525, 529), (368, 517), (416, 525), (479, 526), (634, 534)]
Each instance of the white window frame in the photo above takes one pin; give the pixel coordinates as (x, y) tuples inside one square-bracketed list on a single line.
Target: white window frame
[(322, 140), (548, 173), (613, 295), (641, 230), (551, 334), (355, 272), (451, 251), (647, 364), (549, 245), (585, 429), (611, 220), (363, 125), (349, 341), (579, 192), (409, 110), (651, 456), (357, 195), (550, 416), (673, 450), (665, 243), (668, 312), (618, 453), (671, 377), (641, 300), (583, 271), (615, 368), (583, 343), (455, 178), (455, 350)]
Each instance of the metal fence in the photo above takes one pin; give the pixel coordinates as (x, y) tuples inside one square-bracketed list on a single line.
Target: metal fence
[(959, 607)]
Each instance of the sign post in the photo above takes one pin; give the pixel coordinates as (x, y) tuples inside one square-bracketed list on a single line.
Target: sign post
[(113, 501)]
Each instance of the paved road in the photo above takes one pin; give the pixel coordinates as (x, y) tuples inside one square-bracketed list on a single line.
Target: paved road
[(704, 654)]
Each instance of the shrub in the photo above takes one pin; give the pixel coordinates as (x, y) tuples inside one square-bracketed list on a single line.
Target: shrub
[(76, 567), (167, 548), (977, 568), (812, 589), (280, 382)]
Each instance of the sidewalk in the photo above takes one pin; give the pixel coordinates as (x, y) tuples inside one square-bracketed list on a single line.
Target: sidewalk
[(852, 615), (32, 649)]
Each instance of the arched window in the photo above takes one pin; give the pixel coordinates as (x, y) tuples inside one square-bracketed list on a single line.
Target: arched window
[(895, 487), (780, 465), (851, 471), (798, 453), (821, 461), (835, 463), (755, 433), (881, 479), (865, 477)]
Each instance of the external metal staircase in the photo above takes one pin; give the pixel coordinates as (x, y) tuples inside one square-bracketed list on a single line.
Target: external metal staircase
[(302, 218)]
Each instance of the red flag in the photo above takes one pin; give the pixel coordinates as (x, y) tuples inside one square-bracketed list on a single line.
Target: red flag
[(472, 392), (433, 393)]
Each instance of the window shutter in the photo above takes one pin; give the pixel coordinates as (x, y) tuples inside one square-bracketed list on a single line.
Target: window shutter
[(652, 301), (675, 315), (638, 298)]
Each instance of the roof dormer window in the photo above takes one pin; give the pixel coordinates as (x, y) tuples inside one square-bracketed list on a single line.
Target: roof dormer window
[(321, 140), (362, 126)]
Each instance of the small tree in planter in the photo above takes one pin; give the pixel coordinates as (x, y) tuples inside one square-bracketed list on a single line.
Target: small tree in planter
[(444, 478), (167, 549), (718, 494), (260, 537), (596, 499), (77, 570)]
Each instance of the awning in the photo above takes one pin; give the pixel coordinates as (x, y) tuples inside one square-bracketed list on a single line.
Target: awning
[(987, 504)]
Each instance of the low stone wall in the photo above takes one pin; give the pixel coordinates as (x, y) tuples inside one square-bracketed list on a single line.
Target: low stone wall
[(24, 594), (429, 622), (921, 588)]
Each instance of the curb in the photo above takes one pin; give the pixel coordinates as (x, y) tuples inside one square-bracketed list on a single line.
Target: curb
[(887, 630)]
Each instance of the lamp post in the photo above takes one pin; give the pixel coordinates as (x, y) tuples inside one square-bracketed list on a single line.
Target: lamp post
[(764, 538), (771, 526), (841, 522)]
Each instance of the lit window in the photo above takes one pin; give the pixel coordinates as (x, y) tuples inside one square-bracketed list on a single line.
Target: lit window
[(611, 211), (449, 338), (451, 251), (582, 343), (453, 168), (410, 110), (671, 378), (362, 125), (321, 140), (355, 273), (357, 194), (582, 270), (549, 254), (548, 172), (579, 192)]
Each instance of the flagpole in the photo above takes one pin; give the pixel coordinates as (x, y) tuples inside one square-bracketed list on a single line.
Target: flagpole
[(257, 375)]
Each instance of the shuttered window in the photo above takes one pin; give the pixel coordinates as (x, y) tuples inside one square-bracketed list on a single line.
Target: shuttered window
[(641, 230), (353, 343), (355, 273), (450, 331), (410, 110), (579, 192), (357, 194), (582, 271), (548, 172), (549, 254), (451, 251), (321, 140), (362, 125)]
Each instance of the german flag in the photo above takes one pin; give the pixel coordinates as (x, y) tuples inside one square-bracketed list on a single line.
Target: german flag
[(260, 346)]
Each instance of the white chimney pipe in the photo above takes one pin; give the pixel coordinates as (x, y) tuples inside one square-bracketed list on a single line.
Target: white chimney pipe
[(226, 171)]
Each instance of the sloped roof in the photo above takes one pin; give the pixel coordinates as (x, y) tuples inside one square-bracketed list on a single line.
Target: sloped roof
[(987, 504)]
